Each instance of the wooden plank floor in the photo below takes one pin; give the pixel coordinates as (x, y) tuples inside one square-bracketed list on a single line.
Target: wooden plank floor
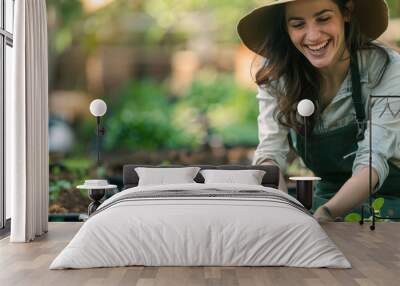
[(375, 257)]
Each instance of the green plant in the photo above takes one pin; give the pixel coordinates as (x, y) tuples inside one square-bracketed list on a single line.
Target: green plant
[(55, 188), (377, 204), (141, 118), (67, 175)]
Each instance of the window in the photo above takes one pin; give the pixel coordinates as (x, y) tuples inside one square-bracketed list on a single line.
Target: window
[(6, 63)]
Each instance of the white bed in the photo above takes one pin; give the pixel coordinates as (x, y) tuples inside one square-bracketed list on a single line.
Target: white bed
[(250, 226)]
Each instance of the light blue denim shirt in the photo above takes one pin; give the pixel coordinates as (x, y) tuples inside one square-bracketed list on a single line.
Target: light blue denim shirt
[(273, 143)]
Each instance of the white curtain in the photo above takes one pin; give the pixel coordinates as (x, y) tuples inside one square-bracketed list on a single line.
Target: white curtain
[(27, 124)]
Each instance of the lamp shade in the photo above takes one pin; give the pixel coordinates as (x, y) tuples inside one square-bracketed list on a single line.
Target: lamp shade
[(98, 107), (305, 107)]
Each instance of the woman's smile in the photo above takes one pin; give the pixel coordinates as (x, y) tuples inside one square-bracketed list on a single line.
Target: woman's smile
[(318, 50), (318, 47)]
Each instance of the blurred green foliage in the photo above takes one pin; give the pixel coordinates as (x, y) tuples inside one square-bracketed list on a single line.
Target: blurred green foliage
[(77, 170), (55, 188), (394, 6), (230, 111), (142, 116), (68, 13), (145, 22), (77, 166)]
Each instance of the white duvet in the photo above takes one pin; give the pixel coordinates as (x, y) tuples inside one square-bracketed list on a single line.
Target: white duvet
[(200, 231)]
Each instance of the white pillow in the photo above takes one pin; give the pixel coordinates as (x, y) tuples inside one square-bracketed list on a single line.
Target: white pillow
[(248, 177), (164, 176)]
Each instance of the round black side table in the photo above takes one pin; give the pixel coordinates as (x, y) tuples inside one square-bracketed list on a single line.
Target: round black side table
[(304, 190), (96, 193)]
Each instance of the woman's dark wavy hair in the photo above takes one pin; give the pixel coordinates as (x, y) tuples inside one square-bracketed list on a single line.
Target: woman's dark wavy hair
[(302, 80)]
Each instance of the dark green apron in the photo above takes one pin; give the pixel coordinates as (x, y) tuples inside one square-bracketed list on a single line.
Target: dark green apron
[(325, 157)]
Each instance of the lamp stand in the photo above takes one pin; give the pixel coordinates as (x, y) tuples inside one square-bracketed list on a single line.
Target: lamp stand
[(99, 133)]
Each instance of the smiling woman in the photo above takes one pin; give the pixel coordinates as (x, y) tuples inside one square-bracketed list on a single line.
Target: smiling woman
[(320, 37), (325, 51)]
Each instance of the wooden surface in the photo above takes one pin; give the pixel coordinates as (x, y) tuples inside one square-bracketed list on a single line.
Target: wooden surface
[(375, 257)]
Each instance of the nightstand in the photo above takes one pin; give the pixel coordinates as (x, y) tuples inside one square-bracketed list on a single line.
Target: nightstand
[(304, 190), (96, 191)]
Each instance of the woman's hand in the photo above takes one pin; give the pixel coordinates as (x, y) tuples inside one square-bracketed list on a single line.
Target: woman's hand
[(322, 214), (353, 193)]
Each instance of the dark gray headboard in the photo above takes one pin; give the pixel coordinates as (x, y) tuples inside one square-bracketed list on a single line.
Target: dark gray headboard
[(270, 179)]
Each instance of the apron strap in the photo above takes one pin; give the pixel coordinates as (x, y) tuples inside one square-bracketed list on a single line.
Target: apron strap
[(357, 96)]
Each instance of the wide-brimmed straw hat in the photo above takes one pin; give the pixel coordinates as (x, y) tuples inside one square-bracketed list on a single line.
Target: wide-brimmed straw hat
[(253, 29)]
